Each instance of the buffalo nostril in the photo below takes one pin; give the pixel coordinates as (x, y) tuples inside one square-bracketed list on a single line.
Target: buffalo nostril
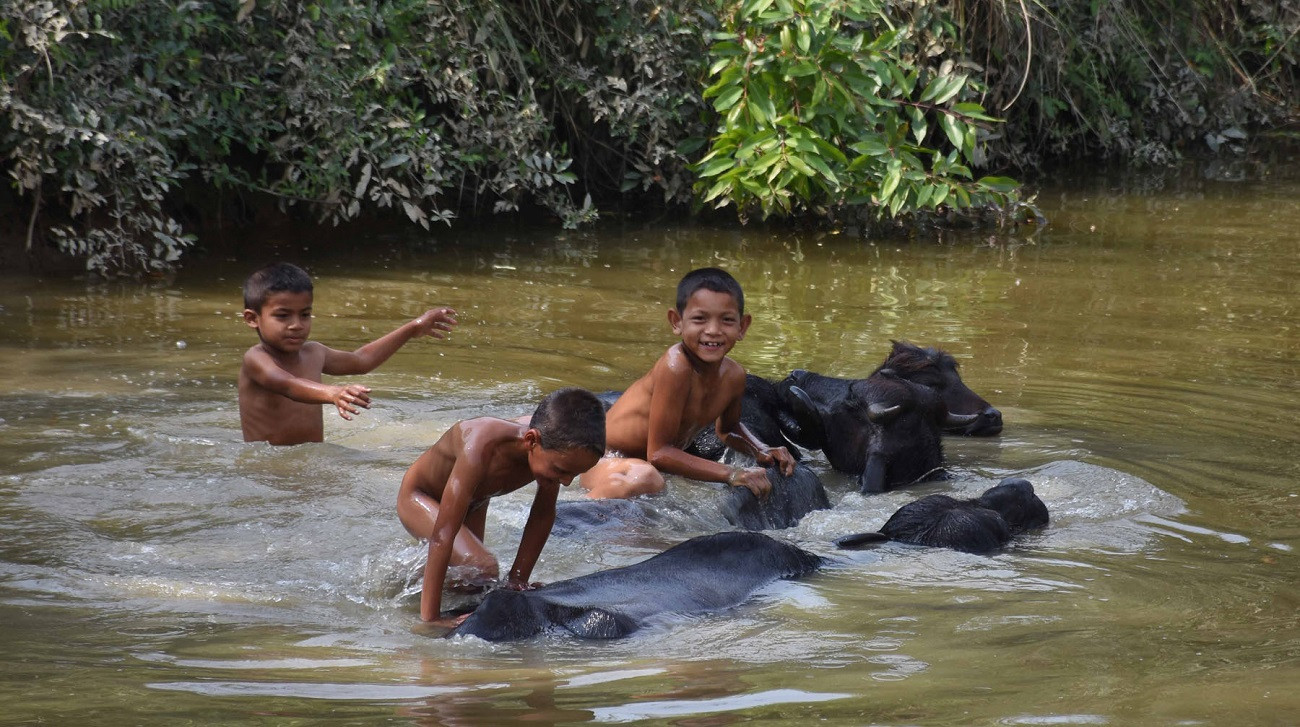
[(991, 415)]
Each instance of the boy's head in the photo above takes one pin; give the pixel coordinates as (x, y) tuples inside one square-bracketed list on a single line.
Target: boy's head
[(570, 418), (710, 314), (714, 279), (275, 278)]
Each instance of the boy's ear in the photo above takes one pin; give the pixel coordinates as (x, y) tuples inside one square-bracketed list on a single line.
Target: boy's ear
[(250, 317), (675, 320), (532, 438), (745, 320)]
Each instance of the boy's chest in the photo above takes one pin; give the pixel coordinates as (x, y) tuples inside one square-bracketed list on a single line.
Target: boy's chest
[(706, 400)]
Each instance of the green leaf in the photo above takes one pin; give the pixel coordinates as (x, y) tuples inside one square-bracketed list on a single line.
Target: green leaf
[(998, 184), (728, 98)]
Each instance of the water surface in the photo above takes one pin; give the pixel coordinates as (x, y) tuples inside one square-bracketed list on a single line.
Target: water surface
[(1143, 347)]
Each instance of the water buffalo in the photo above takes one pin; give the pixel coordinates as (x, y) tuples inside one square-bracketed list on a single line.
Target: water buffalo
[(928, 366), (884, 428), (979, 525), (703, 574), (790, 499)]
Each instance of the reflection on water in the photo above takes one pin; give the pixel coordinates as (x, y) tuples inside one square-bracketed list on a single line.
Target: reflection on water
[(1143, 349)]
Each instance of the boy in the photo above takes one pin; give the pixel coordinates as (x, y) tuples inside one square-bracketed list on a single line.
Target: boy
[(692, 385), (444, 495), (280, 389)]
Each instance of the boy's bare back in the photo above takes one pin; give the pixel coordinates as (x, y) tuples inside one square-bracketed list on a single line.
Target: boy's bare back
[(476, 445)]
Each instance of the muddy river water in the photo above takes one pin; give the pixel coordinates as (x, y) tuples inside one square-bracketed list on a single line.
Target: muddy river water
[(1144, 348)]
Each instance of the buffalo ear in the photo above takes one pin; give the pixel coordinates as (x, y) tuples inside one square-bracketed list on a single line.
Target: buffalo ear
[(812, 432)]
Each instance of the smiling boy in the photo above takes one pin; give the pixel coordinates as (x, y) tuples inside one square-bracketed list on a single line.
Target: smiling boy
[(692, 385), (280, 389)]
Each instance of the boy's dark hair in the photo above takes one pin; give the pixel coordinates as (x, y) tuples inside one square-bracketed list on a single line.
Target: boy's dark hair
[(715, 279), (570, 418), (274, 278)]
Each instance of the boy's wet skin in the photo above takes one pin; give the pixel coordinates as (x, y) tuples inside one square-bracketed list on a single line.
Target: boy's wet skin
[(692, 385), (280, 388), (444, 495)]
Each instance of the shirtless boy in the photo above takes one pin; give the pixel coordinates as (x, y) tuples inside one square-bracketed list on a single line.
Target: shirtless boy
[(280, 389), (444, 495), (694, 384)]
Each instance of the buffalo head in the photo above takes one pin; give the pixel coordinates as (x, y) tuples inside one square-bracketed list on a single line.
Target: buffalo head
[(885, 428)]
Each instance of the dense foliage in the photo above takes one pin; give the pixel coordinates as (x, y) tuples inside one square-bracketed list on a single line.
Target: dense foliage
[(126, 125), (833, 103)]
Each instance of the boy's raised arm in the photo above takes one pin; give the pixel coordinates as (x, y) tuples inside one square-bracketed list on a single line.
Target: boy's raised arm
[(541, 517), (435, 322)]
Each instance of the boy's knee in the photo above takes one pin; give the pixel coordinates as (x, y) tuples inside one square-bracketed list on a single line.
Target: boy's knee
[(621, 478)]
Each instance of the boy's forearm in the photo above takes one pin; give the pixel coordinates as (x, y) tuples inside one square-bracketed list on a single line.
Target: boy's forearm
[(435, 574), (675, 461), (536, 532), (371, 355)]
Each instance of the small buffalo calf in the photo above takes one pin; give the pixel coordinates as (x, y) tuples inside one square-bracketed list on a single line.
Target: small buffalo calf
[(980, 525)]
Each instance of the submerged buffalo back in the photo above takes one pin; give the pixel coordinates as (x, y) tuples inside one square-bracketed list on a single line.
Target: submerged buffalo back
[(790, 499), (703, 574), (942, 521)]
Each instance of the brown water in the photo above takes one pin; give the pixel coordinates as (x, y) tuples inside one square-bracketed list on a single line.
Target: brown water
[(1144, 349)]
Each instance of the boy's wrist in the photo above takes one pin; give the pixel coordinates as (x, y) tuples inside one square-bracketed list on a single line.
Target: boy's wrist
[(733, 477)]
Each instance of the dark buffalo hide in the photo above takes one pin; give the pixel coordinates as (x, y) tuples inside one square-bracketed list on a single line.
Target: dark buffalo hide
[(790, 499), (702, 575), (576, 517), (979, 525), (885, 429)]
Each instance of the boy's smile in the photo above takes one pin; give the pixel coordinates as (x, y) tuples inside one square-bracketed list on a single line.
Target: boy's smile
[(284, 322), (710, 325)]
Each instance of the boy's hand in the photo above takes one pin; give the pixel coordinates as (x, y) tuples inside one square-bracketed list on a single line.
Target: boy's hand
[(779, 456), (445, 621), (435, 322), (752, 478), (515, 585), (348, 398)]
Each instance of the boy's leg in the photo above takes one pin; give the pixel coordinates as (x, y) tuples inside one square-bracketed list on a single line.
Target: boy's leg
[(618, 477), (474, 563)]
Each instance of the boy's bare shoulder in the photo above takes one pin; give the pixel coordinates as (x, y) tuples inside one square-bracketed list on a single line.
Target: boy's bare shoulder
[(488, 430)]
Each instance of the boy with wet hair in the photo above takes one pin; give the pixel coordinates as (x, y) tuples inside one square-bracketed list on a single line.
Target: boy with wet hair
[(280, 389), (692, 385), (444, 495)]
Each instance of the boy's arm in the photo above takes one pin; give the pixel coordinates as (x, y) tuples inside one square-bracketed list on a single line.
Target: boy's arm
[(736, 435), (266, 373), (538, 528), (452, 507), (435, 322), (667, 404)]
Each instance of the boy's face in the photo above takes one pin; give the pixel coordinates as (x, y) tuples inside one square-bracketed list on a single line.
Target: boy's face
[(710, 325), (560, 465), (284, 323)]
